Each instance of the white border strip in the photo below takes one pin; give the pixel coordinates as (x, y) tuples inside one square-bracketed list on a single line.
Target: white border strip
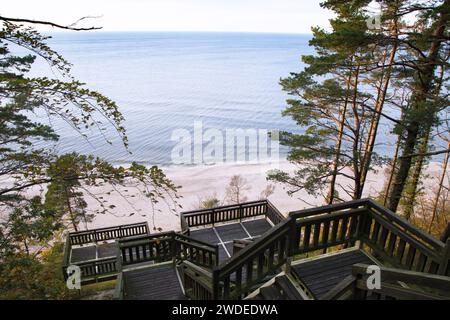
[(246, 231), (221, 242)]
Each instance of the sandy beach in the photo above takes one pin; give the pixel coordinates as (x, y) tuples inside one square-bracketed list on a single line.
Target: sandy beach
[(203, 181)]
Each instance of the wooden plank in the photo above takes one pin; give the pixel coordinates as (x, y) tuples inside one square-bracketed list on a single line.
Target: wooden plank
[(155, 283), (322, 274)]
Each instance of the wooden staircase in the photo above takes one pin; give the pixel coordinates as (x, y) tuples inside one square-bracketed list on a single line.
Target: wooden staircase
[(255, 271), (282, 287)]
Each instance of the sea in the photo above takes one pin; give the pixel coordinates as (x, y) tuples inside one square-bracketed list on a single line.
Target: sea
[(164, 82)]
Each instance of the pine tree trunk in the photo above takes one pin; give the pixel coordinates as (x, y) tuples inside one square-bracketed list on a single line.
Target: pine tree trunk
[(438, 193), (393, 167), (419, 99), (415, 178), (420, 160), (376, 119), (356, 130), (332, 187)]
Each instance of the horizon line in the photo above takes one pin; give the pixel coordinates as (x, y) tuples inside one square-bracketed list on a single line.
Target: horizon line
[(175, 31)]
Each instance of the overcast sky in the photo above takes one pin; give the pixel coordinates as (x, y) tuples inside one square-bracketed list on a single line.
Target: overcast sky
[(290, 16)]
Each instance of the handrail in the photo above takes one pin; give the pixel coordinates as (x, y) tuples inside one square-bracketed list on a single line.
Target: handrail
[(120, 287), (412, 287), (390, 238), (374, 206), (312, 230), (144, 238), (273, 214), (251, 248), (240, 244), (328, 208), (437, 244), (184, 226), (111, 228), (197, 282), (407, 276), (92, 270), (225, 207), (251, 265), (168, 246), (198, 269), (109, 233), (223, 214), (182, 236), (408, 237), (326, 231)]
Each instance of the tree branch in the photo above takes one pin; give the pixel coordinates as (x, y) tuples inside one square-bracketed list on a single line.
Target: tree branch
[(48, 23), (425, 154)]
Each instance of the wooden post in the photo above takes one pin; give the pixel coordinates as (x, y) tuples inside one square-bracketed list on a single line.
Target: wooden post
[(363, 229), (215, 283), (443, 266), (287, 265), (290, 243), (174, 249), (217, 255)]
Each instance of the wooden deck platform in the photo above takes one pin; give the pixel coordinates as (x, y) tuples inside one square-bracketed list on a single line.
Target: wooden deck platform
[(224, 235), (322, 274), (154, 283), (93, 252)]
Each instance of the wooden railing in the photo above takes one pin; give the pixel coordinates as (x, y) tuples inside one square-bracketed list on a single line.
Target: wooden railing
[(197, 282), (395, 284), (92, 271), (201, 253), (253, 264), (166, 247), (390, 238), (399, 244), (239, 245), (236, 212), (323, 232), (184, 226), (120, 287), (112, 233), (273, 214)]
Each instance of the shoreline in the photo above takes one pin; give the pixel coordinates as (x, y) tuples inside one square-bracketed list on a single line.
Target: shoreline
[(201, 181), (207, 180)]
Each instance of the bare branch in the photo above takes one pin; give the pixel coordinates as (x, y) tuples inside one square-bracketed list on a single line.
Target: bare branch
[(48, 23)]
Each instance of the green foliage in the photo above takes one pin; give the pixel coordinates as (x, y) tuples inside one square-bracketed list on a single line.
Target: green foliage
[(328, 105), (357, 76), (30, 224), (30, 267), (27, 277), (209, 203)]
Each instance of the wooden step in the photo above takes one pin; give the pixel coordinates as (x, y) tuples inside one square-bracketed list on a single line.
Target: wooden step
[(271, 293), (287, 288)]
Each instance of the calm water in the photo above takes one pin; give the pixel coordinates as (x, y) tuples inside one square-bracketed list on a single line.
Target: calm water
[(166, 81)]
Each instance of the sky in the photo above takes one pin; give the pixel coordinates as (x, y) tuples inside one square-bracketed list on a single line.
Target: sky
[(278, 16)]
